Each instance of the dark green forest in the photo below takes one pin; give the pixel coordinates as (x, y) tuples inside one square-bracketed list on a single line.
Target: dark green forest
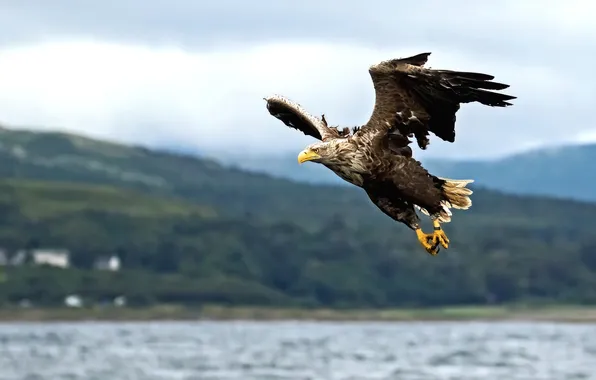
[(191, 231)]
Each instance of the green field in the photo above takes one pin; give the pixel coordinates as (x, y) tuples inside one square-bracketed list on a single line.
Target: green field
[(162, 312)]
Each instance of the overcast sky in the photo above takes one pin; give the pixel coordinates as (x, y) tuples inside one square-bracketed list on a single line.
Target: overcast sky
[(192, 74)]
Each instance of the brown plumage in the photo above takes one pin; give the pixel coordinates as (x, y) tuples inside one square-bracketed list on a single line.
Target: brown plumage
[(411, 101)]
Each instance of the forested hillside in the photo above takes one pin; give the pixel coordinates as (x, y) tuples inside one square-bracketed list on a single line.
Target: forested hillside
[(191, 231)]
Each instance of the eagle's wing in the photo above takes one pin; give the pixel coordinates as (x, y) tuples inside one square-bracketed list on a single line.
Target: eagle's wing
[(417, 100), (293, 115)]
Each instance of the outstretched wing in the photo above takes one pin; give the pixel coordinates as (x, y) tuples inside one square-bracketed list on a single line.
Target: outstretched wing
[(293, 115), (417, 100)]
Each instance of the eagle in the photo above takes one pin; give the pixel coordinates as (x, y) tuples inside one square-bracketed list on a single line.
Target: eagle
[(410, 102)]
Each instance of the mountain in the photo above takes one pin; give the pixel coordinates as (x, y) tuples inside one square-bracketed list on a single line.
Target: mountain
[(193, 231), (65, 157), (562, 172)]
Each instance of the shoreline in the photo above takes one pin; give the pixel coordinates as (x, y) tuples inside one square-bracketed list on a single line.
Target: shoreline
[(568, 314)]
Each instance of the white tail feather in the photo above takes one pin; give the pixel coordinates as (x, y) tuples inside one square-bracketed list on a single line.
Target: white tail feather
[(457, 196)]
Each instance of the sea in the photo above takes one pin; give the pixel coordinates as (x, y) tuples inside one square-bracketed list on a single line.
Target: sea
[(293, 350)]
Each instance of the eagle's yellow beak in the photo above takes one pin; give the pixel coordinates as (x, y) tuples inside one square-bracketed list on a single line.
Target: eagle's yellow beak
[(307, 155)]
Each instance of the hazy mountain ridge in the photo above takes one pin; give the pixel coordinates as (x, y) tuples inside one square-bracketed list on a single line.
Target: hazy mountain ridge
[(562, 172)]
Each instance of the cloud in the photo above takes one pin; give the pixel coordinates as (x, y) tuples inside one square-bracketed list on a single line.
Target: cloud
[(193, 74), (374, 22), (588, 136)]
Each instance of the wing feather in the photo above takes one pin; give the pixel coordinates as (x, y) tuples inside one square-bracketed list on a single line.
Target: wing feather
[(294, 116), (416, 100)]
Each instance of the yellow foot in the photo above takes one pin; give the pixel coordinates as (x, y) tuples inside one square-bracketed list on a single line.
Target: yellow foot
[(433, 242), (439, 236), (427, 241)]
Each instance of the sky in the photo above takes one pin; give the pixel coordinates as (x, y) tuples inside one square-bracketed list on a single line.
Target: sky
[(192, 74)]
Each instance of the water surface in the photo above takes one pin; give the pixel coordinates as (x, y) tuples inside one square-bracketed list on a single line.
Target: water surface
[(297, 350)]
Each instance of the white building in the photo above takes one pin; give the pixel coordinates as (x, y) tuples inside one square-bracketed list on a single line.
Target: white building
[(52, 257), (73, 301), (111, 263), (120, 301)]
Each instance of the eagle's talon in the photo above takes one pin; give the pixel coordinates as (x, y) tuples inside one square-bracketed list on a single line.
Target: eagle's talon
[(439, 237), (428, 242), (435, 250), (432, 243)]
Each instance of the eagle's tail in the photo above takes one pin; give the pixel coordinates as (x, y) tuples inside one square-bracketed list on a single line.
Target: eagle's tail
[(456, 195)]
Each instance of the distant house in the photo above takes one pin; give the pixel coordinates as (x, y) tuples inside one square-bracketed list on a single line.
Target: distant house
[(120, 301), (73, 301), (52, 257), (111, 263)]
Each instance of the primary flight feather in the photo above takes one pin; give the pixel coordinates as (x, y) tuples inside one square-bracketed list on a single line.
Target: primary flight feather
[(410, 101)]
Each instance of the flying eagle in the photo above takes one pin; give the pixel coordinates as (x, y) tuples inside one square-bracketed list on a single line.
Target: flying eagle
[(411, 101)]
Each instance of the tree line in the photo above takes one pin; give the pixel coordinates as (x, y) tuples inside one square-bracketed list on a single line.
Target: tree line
[(192, 257)]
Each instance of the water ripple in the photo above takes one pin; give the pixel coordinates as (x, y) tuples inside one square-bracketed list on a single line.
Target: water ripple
[(296, 351)]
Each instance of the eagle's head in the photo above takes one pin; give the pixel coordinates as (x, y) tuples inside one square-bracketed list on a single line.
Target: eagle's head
[(321, 152)]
